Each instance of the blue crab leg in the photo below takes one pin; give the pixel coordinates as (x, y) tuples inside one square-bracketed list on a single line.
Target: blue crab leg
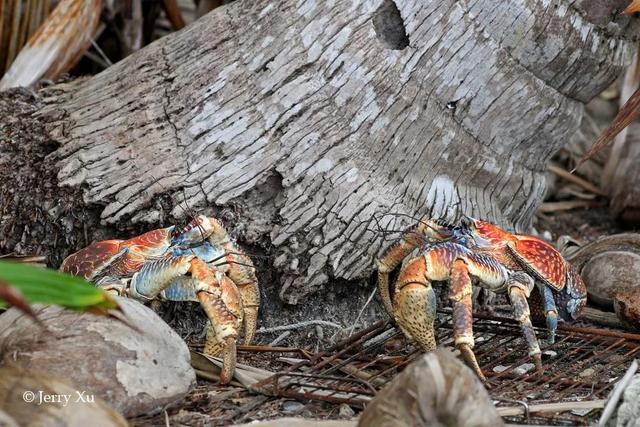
[(520, 285), (550, 311), (393, 255), (154, 277)]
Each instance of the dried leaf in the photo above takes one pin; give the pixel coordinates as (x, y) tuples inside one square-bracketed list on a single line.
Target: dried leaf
[(58, 44), (14, 297), (627, 114)]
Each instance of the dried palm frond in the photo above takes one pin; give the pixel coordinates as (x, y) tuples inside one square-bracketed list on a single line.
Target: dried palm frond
[(57, 45), (19, 19)]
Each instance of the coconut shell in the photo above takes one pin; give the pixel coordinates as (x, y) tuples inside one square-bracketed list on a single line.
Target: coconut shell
[(626, 303)]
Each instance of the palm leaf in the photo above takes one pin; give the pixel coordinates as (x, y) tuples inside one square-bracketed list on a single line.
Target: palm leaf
[(42, 285)]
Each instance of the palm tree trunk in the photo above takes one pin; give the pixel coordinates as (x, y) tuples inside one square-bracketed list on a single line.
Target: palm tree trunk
[(300, 122)]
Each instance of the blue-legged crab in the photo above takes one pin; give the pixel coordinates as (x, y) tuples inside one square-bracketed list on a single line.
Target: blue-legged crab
[(196, 263), (477, 253)]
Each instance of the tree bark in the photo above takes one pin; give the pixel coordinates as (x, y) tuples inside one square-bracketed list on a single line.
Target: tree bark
[(299, 122)]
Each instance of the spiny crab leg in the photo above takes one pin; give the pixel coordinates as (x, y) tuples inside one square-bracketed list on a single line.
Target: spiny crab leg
[(393, 256), (217, 294)]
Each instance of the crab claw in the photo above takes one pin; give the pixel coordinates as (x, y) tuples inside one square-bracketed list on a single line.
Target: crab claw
[(221, 301)]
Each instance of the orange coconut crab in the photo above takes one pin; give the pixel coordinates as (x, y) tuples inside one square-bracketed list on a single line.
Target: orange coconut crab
[(196, 263), (477, 253)]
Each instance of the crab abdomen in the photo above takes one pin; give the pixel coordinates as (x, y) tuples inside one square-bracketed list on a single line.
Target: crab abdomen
[(540, 259)]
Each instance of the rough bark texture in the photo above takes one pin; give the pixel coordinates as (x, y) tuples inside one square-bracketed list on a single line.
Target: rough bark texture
[(299, 121)]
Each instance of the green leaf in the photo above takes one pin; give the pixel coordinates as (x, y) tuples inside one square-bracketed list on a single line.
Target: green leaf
[(43, 285)]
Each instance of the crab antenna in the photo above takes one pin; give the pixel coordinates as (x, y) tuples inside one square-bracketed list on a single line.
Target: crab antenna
[(233, 262), (187, 211), (400, 214)]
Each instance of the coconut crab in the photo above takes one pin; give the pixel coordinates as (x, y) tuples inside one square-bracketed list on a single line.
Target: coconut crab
[(477, 252), (196, 263)]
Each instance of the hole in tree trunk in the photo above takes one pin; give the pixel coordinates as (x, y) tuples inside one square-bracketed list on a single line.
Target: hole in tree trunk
[(389, 26)]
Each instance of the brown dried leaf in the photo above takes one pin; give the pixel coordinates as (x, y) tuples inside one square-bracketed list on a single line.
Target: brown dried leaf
[(15, 298), (58, 44), (627, 114)]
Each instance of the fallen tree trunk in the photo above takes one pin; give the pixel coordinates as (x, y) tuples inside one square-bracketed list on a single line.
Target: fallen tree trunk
[(298, 122)]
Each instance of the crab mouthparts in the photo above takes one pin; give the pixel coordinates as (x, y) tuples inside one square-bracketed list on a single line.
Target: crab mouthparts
[(467, 221)]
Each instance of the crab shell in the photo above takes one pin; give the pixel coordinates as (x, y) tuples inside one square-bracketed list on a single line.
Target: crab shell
[(122, 257), (125, 257)]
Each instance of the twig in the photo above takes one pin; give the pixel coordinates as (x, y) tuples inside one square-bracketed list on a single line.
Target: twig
[(575, 179), (281, 337), (166, 419), (174, 15), (601, 317), (104, 57), (268, 348), (617, 393), (567, 205), (353, 327), (96, 58), (358, 373), (297, 325), (510, 411)]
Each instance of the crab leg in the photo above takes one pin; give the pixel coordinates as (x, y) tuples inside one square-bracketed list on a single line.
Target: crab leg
[(242, 272), (460, 291), (154, 277), (486, 270), (217, 294), (222, 302), (520, 285), (393, 256), (550, 312), (415, 304)]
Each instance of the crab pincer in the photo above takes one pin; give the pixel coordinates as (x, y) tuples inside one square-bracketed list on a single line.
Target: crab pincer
[(189, 278), (222, 302)]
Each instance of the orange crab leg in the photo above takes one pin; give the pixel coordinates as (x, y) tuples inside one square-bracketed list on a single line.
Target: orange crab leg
[(222, 302), (520, 285), (414, 307), (460, 291), (414, 303), (243, 274), (217, 294)]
